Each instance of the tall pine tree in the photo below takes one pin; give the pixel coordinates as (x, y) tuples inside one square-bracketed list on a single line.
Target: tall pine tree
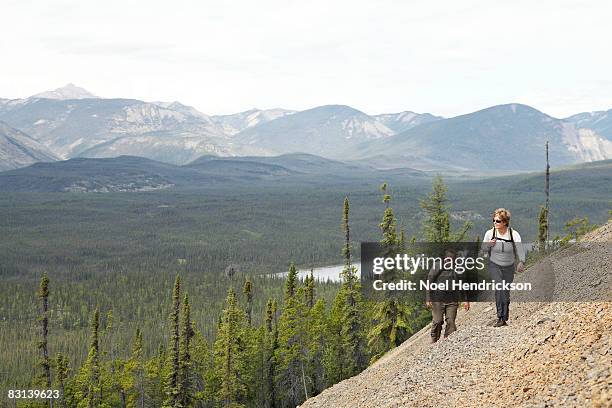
[(185, 380), (248, 293), (43, 345), (231, 354), (171, 389), (88, 387), (291, 352), (346, 353), (436, 224), (391, 316)]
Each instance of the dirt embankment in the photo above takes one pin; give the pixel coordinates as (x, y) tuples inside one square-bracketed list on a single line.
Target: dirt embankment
[(550, 354)]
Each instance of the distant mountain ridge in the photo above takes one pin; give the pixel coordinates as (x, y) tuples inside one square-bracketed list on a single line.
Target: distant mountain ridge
[(500, 138), (19, 150), (72, 122), (136, 174), (325, 130)]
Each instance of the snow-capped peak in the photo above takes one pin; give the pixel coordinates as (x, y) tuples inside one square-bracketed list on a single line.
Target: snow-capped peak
[(69, 91)]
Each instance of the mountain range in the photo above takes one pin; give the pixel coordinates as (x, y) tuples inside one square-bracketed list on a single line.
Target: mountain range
[(70, 122)]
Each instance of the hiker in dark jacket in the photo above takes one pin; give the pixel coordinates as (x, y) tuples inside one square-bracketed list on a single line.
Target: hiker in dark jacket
[(504, 245), (444, 303)]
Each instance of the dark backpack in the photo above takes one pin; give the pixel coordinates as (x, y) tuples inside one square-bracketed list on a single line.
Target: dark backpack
[(511, 240)]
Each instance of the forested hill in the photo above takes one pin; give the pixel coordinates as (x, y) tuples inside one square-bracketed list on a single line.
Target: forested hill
[(551, 354)]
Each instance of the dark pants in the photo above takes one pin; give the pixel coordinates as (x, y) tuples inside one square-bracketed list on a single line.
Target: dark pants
[(438, 311), (502, 297)]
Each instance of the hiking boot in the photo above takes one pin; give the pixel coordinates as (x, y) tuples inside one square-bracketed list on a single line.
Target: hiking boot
[(500, 323)]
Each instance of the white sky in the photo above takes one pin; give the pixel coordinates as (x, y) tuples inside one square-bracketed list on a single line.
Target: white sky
[(444, 57)]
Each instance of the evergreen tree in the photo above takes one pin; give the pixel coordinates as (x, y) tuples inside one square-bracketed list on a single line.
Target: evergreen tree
[(172, 397), (309, 290), (346, 349), (388, 224), (316, 331), (62, 369), (270, 346), (436, 224), (43, 295), (391, 316), (155, 375), (204, 382), (392, 327), (231, 353), (346, 249), (248, 293), (185, 380), (542, 228), (138, 372), (269, 316), (88, 387), (291, 352), (291, 282)]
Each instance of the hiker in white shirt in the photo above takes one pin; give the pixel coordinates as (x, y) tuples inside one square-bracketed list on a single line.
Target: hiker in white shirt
[(504, 246)]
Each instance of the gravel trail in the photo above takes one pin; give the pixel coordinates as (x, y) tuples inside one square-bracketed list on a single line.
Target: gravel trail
[(555, 354)]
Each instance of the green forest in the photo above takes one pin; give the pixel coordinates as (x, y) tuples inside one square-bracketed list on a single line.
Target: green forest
[(122, 299)]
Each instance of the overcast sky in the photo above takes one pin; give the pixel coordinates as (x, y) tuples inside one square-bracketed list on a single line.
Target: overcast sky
[(443, 57)]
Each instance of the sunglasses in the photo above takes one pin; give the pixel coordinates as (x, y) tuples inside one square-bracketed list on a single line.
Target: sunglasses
[(497, 221)]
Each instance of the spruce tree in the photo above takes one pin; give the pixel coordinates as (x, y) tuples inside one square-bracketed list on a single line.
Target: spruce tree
[(156, 373), (231, 354), (88, 387), (291, 282), (138, 372), (316, 334), (346, 249), (171, 389), (347, 354), (62, 369), (542, 228), (309, 290), (436, 225), (269, 316), (391, 316), (185, 386), (43, 295), (392, 327), (248, 293), (270, 346), (291, 352)]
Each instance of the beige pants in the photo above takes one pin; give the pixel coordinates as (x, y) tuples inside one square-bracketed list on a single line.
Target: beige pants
[(439, 311)]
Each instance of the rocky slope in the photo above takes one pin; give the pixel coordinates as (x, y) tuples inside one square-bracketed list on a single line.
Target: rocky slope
[(237, 122), (400, 122), (600, 122), (19, 150), (551, 354)]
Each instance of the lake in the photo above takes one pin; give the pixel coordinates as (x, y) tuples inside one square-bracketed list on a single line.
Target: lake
[(325, 273)]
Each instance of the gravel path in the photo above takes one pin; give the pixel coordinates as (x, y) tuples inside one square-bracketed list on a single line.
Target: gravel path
[(550, 354)]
